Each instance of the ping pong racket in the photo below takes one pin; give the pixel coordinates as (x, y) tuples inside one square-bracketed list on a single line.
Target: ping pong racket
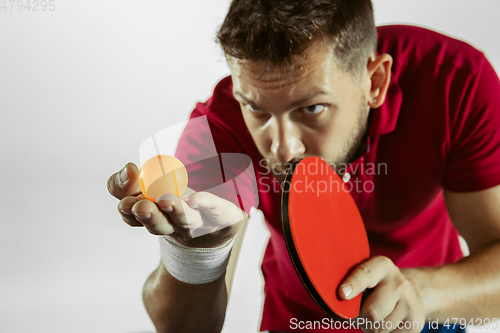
[(324, 233)]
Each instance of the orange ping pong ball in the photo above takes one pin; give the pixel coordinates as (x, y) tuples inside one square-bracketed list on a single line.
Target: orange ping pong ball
[(162, 174)]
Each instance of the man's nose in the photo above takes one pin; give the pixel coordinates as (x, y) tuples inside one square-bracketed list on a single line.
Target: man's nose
[(286, 142)]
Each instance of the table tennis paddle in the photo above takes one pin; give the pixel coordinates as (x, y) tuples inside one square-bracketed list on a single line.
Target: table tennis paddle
[(324, 233)]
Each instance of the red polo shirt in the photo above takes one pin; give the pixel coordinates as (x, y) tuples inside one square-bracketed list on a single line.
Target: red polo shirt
[(438, 129)]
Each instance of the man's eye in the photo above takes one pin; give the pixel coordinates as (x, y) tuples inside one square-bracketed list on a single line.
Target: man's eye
[(251, 108), (313, 109)]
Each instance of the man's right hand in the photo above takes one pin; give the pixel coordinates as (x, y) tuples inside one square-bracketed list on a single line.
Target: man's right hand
[(173, 216)]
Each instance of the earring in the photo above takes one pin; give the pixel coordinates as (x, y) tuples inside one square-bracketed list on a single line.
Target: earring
[(377, 92)]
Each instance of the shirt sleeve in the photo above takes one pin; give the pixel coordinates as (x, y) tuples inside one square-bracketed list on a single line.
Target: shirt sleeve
[(473, 161)]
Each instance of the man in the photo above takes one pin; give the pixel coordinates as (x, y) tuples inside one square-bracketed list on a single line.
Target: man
[(308, 78)]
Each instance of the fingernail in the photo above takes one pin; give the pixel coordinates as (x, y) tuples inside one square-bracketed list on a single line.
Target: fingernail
[(143, 217), (123, 174), (126, 212), (347, 290), (168, 209), (166, 196)]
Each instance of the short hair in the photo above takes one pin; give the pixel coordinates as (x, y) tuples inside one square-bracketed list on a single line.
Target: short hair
[(273, 31)]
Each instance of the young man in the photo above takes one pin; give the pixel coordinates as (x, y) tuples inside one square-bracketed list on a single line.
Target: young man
[(309, 78)]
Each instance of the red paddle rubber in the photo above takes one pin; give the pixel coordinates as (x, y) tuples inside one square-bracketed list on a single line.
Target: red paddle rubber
[(324, 233)]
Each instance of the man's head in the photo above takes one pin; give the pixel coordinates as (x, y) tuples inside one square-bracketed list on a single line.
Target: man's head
[(305, 74), (273, 31)]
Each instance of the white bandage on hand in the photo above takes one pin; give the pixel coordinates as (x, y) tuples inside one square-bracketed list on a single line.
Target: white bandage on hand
[(194, 265)]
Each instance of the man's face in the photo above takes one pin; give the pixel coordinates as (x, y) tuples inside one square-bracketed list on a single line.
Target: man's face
[(318, 110)]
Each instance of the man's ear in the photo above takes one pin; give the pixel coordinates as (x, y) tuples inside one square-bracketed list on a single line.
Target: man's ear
[(379, 71)]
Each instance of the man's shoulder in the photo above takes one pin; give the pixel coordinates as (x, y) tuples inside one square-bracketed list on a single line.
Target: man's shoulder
[(221, 109), (417, 46), (223, 115), (221, 100)]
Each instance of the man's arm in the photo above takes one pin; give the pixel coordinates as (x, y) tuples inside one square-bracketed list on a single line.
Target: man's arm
[(469, 288), (175, 306)]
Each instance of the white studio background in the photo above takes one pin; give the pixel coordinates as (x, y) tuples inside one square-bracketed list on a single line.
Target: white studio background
[(81, 87)]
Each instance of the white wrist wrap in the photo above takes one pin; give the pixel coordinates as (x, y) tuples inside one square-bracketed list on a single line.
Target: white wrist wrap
[(194, 265)]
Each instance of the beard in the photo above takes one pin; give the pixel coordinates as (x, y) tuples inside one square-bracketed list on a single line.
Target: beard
[(352, 149)]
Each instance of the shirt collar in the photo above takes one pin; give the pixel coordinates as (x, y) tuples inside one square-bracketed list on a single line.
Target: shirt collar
[(384, 118)]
